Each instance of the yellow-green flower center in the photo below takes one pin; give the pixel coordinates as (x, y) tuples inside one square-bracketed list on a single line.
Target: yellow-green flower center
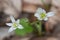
[(42, 15), (15, 25)]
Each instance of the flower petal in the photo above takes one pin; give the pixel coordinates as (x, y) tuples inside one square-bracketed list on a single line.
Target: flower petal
[(11, 29), (9, 24), (46, 19), (49, 14), (40, 10), (39, 18), (18, 21), (37, 15), (12, 18), (20, 27)]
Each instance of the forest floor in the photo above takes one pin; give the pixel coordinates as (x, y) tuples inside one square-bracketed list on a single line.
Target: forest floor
[(4, 33)]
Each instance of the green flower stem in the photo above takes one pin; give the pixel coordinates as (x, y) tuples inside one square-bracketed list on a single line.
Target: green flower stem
[(38, 25), (39, 28)]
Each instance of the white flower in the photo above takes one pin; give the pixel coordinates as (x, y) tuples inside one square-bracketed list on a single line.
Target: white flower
[(42, 15), (14, 25)]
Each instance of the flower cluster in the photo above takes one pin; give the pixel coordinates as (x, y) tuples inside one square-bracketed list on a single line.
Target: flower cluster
[(23, 26)]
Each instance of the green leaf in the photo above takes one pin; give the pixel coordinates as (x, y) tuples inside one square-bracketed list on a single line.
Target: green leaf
[(20, 32), (27, 27), (25, 22)]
